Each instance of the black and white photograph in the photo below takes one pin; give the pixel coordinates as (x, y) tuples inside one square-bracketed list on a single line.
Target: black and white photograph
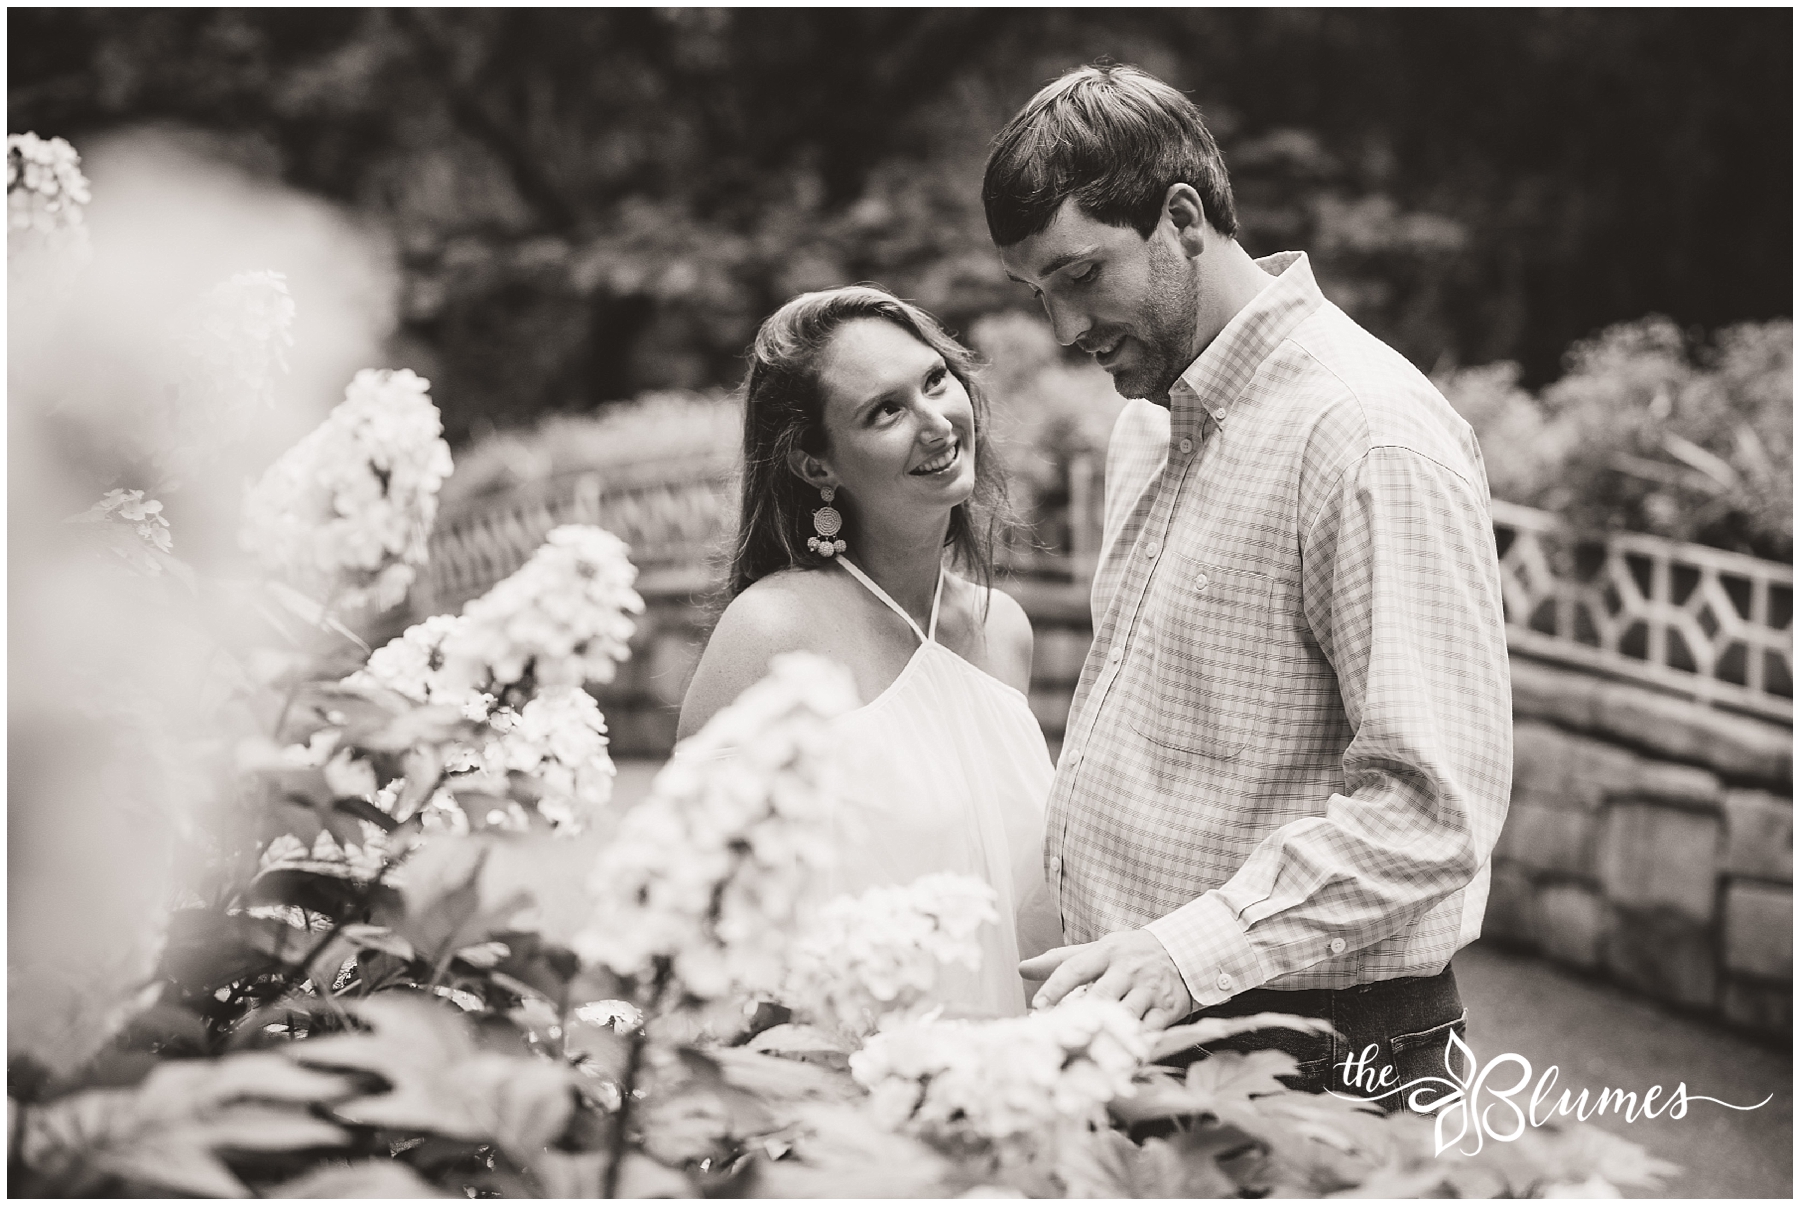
[(900, 603)]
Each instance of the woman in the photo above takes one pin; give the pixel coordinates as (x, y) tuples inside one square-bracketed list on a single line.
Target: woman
[(865, 459)]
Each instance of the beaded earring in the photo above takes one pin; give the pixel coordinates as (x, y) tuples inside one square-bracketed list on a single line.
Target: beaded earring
[(827, 523)]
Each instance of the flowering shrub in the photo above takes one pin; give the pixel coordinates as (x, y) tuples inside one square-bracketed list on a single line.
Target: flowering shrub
[(1650, 431), (346, 511), (356, 992), (45, 188)]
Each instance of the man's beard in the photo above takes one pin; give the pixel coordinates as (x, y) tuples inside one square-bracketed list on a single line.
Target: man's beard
[(1165, 328)]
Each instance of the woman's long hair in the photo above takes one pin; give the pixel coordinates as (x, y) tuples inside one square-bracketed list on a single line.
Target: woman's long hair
[(784, 410)]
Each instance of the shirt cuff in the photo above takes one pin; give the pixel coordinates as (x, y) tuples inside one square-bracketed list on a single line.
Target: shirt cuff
[(1210, 949)]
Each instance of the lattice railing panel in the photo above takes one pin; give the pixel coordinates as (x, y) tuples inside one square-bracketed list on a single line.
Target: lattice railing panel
[(671, 514), (1711, 624)]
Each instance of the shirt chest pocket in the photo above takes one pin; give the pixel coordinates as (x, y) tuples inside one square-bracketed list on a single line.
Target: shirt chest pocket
[(1207, 629)]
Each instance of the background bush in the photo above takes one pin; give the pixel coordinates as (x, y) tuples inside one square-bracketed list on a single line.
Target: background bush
[(590, 205)]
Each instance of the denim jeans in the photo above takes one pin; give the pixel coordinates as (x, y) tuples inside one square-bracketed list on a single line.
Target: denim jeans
[(1390, 1033)]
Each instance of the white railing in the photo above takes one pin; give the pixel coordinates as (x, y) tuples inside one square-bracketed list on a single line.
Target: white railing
[(672, 514), (1709, 624), (1712, 625)]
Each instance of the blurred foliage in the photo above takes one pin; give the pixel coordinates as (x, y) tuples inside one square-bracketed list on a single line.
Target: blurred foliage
[(1650, 430), (592, 204)]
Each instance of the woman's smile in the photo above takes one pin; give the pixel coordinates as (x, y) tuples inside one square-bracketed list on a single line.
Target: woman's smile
[(943, 462)]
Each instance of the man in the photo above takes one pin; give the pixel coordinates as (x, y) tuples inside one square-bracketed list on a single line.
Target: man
[(1289, 754)]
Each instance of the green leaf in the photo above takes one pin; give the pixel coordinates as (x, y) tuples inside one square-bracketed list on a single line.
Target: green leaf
[(358, 1179), (1211, 1030), (441, 1082), (1230, 1075), (794, 1038)]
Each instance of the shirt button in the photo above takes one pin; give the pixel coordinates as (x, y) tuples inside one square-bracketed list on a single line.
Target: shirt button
[(1116, 654), (1219, 414), (1224, 982), (1337, 946), (1073, 754), (1186, 444), (1200, 582), (1056, 866), (1152, 549)]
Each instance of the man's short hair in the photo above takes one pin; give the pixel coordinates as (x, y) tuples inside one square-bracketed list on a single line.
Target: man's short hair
[(1112, 137)]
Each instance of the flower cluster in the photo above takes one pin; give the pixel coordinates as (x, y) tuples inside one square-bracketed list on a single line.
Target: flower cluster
[(45, 189), (559, 739), (230, 349), (862, 957), (140, 523), (703, 878), (412, 664), (1009, 1081), (346, 511), (564, 619)]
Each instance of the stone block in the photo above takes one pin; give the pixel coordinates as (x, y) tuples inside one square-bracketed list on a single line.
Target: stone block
[(1544, 692), (1677, 784), (1737, 747), (1759, 834), (1651, 855), (1573, 923), (1664, 955), (1759, 930), (1541, 757), (1057, 656), (669, 666), (1511, 915), (1768, 1009), (1751, 751), (1599, 771), (1552, 839)]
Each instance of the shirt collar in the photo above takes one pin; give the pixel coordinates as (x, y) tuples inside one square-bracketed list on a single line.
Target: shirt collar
[(1219, 374)]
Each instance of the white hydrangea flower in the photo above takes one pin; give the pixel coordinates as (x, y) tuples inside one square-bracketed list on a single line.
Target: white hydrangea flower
[(412, 664), (1023, 1083), (229, 348), (558, 738), (346, 511), (862, 957), (45, 188), (564, 618), (128, 511), (704, 877)]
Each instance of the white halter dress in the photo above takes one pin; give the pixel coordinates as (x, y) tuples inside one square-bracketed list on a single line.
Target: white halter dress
[(949, 772)]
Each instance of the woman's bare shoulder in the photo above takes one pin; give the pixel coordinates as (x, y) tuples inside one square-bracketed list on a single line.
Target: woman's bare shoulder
[(773, 615)]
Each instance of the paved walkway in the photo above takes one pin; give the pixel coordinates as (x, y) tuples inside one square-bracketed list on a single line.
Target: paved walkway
[(1602, 1037)]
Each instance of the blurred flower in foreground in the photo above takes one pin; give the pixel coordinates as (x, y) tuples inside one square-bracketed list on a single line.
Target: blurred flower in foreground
[(141, 531), (45, 189), (563, 619), (1009, 1081), (344, 513), (703, 878), (862, 957), (230, 348)]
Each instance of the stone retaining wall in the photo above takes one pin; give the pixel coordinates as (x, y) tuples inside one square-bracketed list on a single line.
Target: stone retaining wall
[(1650, 839)]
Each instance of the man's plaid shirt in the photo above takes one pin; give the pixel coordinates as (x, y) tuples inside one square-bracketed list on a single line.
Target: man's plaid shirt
[(1290, 751)]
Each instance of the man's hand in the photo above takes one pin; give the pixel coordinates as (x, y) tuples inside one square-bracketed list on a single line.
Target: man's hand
[(1130, 966)]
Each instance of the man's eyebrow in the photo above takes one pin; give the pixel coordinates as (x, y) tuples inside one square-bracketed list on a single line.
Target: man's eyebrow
[(1060, 262)]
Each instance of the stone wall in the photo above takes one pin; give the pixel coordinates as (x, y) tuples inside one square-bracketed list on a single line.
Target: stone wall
[(1650, 840)]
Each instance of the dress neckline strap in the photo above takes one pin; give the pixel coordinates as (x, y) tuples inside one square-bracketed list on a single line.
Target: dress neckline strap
[(936, 598)]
